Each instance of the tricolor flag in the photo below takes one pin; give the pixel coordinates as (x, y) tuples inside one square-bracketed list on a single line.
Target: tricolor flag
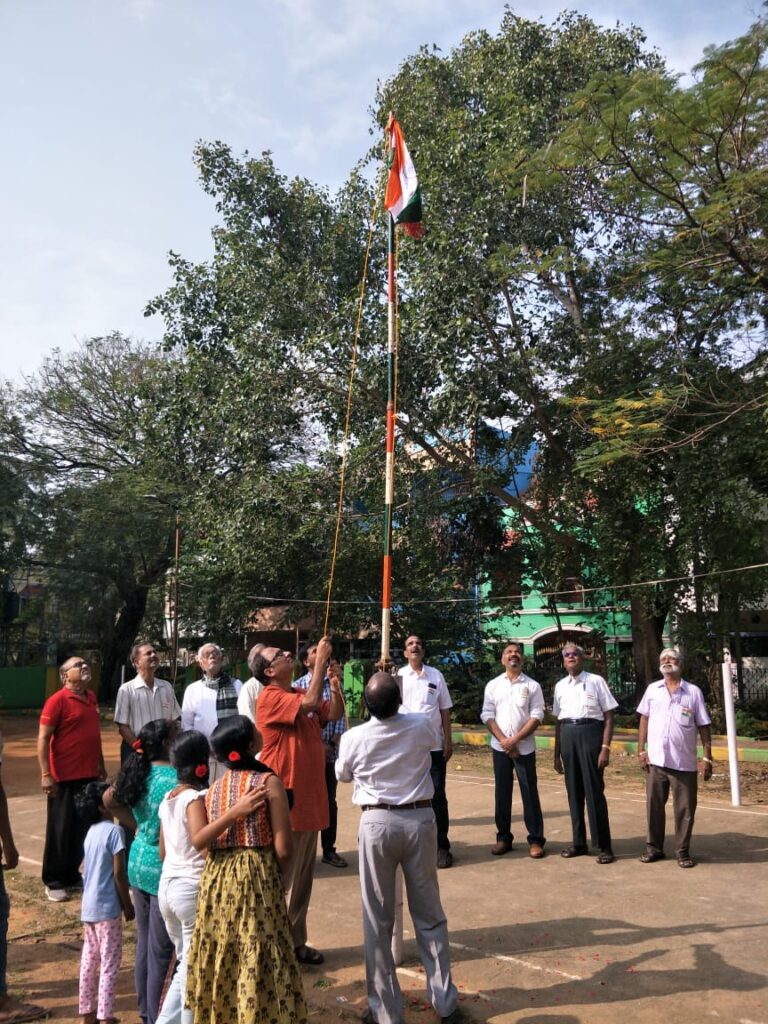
[(403, 196)]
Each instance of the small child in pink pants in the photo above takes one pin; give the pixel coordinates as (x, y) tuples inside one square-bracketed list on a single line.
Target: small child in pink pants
[(105, 894)]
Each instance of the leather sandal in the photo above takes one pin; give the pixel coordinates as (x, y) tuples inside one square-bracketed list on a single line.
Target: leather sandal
[(574, 851), (308, 955), (651, 856), (605, 857), (686, 861)]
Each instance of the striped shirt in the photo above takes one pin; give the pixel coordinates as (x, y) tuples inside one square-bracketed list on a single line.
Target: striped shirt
[(254, 830)]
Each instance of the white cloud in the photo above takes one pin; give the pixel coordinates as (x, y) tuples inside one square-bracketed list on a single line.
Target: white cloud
[(142, 10)]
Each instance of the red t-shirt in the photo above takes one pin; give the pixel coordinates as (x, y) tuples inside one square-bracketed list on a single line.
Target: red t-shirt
[(293, 749), (75, 749)]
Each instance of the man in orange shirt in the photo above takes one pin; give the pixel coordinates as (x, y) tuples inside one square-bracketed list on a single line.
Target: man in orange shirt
[(290, 722)]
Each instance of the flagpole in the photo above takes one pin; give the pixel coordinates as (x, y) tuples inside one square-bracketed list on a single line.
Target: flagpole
[(389, 473)]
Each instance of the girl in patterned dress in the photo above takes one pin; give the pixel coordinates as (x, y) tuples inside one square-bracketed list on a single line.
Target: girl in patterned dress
[(105, 894), (134, 799), (243, 967)]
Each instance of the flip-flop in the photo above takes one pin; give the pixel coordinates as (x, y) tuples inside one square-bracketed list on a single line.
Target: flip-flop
[(310, 956)]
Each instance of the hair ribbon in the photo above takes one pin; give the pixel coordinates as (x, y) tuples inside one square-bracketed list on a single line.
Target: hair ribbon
[(201, 771)]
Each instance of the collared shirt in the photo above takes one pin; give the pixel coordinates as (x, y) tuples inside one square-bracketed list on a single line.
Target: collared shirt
[(388, 760), (198, 707), (330, 729), (586, 696), (75, 746), (425, 692), (293, 749), (138, 704), (672, 724), (511, 704), (246, 702)]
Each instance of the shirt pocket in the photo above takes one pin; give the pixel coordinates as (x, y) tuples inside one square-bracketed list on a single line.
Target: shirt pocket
[(684, 717)]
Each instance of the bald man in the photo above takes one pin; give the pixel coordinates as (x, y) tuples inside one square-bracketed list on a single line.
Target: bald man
[(389, 759)]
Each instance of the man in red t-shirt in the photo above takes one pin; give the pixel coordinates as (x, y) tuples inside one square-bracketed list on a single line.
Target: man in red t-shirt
[(290, 722), (69, 753)]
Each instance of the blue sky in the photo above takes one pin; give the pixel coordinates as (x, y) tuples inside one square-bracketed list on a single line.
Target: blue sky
[(103, 101)]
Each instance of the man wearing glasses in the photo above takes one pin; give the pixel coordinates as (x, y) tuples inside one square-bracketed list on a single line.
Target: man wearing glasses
[(210, 700), (583, 706), (69, 754), (290, 722)]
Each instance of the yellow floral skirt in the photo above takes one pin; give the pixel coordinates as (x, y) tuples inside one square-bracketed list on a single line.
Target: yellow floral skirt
[(242, 964)]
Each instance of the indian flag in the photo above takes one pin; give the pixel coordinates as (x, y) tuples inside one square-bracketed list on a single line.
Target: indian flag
[(403, 196)]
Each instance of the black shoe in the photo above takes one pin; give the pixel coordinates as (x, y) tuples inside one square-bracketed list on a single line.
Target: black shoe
[(574, 851), (444, 858)]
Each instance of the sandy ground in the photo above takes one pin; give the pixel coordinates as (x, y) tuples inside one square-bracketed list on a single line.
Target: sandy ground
[(533, 942)]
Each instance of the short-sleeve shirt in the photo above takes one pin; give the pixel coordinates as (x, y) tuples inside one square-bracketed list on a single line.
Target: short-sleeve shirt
[(100, 900), (144, 864), (511, 704), (75, 747), (388, 759), (426, 693), (138, 704), (585, 696), (672, 724), (293, 749), (249, 695)]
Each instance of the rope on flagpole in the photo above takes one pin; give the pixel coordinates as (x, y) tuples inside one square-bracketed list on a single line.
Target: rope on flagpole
[(348, 415)]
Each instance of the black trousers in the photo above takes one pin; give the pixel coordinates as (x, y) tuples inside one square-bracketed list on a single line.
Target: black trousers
[(504, 770), (440, 800), (580, 748), (64, 837), (328, 835)]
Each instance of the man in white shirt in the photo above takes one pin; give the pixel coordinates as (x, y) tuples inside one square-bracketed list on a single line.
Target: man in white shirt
[(389, 760), (513, 709), (210, 700), (249, 695), (424, 690), (583, 706), (143, 699)]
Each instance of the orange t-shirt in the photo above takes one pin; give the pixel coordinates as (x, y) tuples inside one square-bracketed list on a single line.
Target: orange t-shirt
[(293, 749)]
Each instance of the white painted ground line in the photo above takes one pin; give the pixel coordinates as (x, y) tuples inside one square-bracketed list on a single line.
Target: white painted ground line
[(515, 960)]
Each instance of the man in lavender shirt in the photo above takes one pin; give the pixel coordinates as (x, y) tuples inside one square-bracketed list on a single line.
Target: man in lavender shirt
[(671, 712)]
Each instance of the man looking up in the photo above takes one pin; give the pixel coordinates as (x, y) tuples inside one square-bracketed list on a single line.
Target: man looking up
[(583, 706), (69, 754), (332, 733), (388, 759), (290, 723), (143, 699), (671, 711), (513, 709), (424, 691), (210, 700)]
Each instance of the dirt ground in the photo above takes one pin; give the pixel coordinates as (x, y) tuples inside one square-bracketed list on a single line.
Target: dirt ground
[(532, 942)]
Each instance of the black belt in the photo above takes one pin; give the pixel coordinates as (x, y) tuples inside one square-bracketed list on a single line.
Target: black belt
[(581, 721), (397, 807)]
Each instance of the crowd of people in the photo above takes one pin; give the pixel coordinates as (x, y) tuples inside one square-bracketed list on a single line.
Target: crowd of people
[(208, 834)]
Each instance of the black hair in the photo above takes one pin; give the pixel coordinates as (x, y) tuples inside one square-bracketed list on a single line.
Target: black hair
[(151, 745), (382, 696), (230, 741), (190, 751), (304, 651), (89, 802)]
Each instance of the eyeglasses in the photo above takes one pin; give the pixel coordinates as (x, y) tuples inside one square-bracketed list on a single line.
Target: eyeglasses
[(571, 654), (77, 664), (280, 654)]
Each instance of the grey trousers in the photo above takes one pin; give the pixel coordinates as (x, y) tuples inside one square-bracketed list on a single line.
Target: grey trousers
[(407, 838), (684, 786), (302, 875)]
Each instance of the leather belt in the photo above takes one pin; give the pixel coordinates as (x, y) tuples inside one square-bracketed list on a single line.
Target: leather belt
[(580, 721), (397, 807)]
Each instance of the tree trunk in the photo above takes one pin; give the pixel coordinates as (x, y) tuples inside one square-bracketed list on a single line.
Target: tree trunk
[(647, 630), (118, 646)]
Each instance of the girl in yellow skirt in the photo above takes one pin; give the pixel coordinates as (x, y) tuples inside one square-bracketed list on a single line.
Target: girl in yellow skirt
[(242, 967)]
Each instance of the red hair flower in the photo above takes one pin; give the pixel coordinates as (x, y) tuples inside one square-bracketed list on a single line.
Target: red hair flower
[(233, 756), (201, 771), (136, 745)]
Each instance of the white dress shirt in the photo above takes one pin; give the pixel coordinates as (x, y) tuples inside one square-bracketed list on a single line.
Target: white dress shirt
[(246, 702), (138, 704), (198, 708), (511, 704), (586, 696), (388, 760), (426, 693)]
